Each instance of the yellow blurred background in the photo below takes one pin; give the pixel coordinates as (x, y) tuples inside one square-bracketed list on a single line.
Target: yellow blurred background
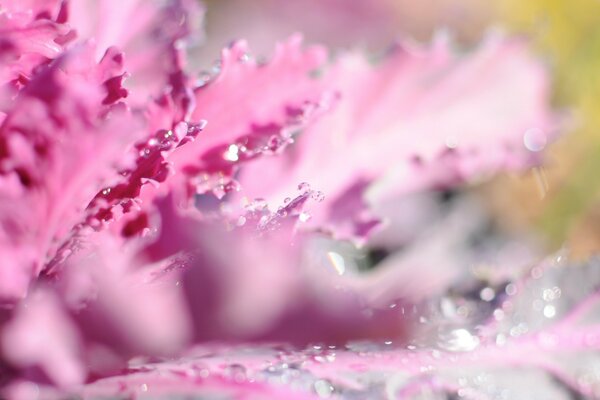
[(567, 35)]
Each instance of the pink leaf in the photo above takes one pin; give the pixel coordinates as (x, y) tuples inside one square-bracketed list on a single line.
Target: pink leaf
[(59, 146), (422, 118)]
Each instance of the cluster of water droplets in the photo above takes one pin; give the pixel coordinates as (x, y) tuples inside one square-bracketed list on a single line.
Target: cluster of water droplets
[(272, 139), (293, 210), (218, 185), (486, 340), (468, 345), (207, 76), (166, 140)]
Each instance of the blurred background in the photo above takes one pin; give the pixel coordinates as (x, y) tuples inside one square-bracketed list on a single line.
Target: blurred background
[(559, 203)]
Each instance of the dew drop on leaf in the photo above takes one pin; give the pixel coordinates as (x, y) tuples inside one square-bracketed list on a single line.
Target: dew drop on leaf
[(323, 388), (304, 187)]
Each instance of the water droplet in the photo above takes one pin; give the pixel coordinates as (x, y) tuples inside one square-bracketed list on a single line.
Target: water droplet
[(510, 289), (106, 191), (551, 294), (193, 129), (237, 372), (263, 220), (287, 200), (144, 387), (452, 142), (537, 272), (179, 44), (549, 311), (500, 339), (241, 221), (304, 216), (323, 388), (519, 330), (244, 58), (459, 340), (232, 153), (304, 187), (487, 294), (498, 314), (258, 204), (203, 79), (274, 143), (232, 186), (219, 192), (203, 372), (534, 140), (318, 196), (216, 68)]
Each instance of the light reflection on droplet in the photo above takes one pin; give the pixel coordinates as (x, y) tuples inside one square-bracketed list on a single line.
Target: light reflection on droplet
[(537, 272), (459, 340), (323, 389), (498, 314), (500, 339), (244, 58), (511, 289), (452, 142), (337, 262), (534, 140), (303, 216), (487, 294), (551, 294), (549, 311), (519, 330), (232, 153)]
